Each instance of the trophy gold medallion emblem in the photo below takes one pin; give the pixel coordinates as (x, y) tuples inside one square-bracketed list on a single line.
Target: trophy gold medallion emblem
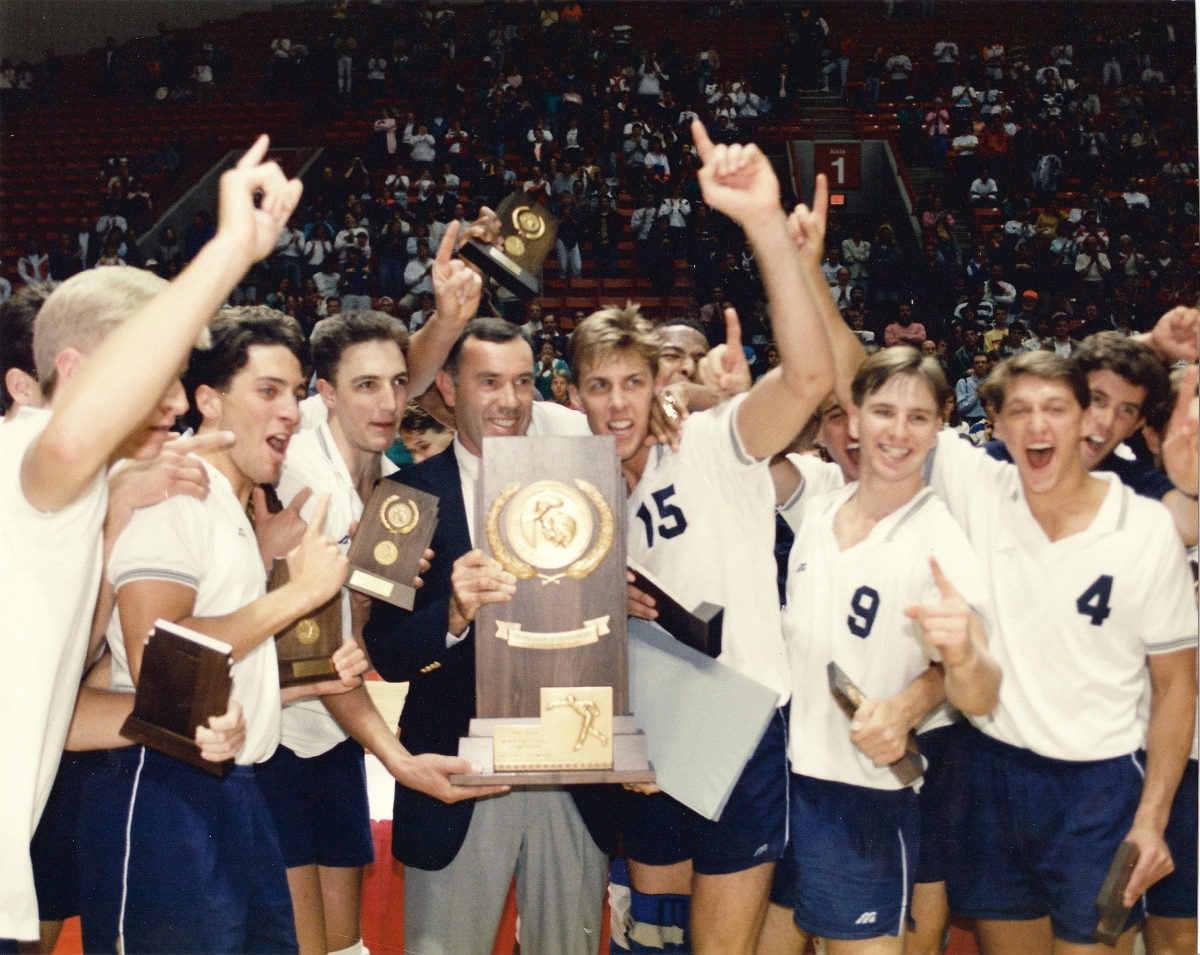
[(386, 553), (528, 223), (550, 526), (308, 631), (514, 245), (399, 516)]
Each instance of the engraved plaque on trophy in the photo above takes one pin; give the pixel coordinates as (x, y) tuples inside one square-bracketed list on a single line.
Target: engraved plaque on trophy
[(396, 527), (305, 648), (528, 231), (700, 628), (1111, 911), (551, 665), (909, 767), (184, 681)]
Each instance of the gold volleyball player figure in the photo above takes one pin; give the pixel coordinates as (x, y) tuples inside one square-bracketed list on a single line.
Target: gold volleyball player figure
[(589, 711)]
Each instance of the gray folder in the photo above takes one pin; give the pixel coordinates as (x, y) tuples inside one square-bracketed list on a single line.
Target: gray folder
[(702, 720)]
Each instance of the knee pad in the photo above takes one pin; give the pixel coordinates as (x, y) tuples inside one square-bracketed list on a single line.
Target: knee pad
[(658, 924)]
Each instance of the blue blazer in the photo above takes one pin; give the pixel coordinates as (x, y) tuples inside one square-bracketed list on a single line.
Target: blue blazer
[(411, 645)]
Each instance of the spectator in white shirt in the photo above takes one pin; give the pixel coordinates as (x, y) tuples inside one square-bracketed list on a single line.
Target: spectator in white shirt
[(899, 68), (841, 291), (34, 266), (945, 53), (1134, 197), (422, 145), (831, 265), (984, 190), (855, 252)]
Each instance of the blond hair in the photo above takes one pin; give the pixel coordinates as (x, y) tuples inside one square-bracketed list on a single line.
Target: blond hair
[(82, 311), (611, 330)]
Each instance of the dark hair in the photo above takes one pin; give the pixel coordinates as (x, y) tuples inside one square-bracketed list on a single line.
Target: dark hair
[(233, 333), (686, 323), (417, 419), (335, 334), (485, 329), (1133, 361), (16, 334), (1037, 364)]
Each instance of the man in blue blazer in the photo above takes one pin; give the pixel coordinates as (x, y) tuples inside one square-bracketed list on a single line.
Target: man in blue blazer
[(460, 858)]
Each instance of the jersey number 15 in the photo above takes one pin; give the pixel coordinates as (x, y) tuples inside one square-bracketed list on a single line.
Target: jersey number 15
[(673, 522)]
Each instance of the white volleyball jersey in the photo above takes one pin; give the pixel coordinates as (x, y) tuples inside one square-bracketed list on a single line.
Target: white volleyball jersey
[(702, 520), (1076, 618), (816, 477), (848, 607), (314, 461), (50, 566), (210, 547)]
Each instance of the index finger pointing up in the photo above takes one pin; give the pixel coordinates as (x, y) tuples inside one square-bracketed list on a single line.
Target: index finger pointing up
[(733, 330), (317, 523), (254, 155), (704, 145), (943, 585), (446, 249)]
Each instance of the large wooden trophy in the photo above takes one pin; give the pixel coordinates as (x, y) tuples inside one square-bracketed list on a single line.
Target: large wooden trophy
[(551, 665)]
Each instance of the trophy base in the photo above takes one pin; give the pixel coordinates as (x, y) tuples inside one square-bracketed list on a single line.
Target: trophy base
[(495, 264), (631, 762)]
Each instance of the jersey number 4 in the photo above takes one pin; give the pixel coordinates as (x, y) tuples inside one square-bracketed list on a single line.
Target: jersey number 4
[(673, 522), (863, 607), (1093, 602)]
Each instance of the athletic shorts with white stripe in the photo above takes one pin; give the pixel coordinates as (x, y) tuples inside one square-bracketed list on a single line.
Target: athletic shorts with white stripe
[(173, 859), (853, 850)]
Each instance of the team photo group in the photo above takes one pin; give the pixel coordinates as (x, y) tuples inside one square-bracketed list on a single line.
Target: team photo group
[(999, 587)]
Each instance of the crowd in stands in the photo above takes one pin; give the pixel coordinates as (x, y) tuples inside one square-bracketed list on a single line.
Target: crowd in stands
[(1069, 168)]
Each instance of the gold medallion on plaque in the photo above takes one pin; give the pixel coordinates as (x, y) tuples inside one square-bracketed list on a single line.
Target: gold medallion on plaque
[(308, 632), (528, 223), (514, 245), (386, 553), (399, 517), (549, 526)]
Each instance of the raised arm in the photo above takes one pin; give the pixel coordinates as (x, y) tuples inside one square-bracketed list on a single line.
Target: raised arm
[(738, 181), (456, 291), (130, 371), (807, 227)]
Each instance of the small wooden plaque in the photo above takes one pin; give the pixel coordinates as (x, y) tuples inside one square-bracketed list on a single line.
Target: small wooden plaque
[(528, 231), (700, 629), (1111, 911), (396, 527), (305, 648), (185, 680), (908, 768)]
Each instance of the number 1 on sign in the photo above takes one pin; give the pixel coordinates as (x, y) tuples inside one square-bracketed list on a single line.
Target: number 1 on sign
[(840, 165)]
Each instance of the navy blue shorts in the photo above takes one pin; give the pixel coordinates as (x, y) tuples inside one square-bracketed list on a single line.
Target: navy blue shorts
[(752, 829), (52, 850), (1175, 896), (1035, 836), (783, 883), (938, 746), (320, 806), (173, 859), (854, 849)]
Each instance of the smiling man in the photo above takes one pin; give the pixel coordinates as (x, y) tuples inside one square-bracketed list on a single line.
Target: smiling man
[(866, 559), (113, 340), (460, 859), (172, 858), (1051, 777), (722, 554)]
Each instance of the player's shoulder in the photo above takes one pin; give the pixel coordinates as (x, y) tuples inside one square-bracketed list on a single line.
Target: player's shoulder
[(1146, 517), (549, 418)]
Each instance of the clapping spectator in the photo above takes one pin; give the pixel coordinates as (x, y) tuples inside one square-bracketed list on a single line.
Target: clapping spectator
[(570, 233), (606, 235), (354, 284), (549, 364), (34, 265)]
